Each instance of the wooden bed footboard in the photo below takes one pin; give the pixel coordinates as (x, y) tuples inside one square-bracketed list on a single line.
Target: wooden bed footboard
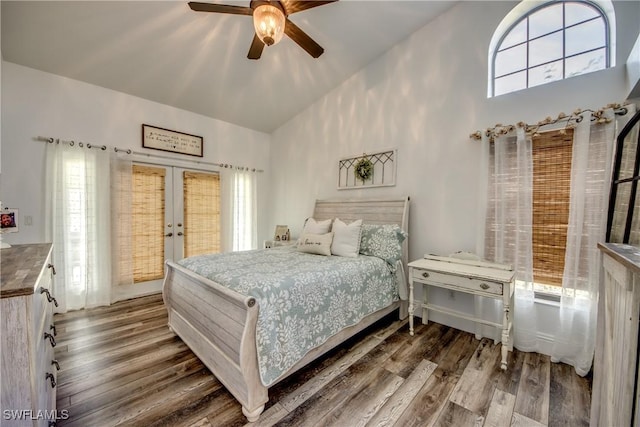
[(219, 326)]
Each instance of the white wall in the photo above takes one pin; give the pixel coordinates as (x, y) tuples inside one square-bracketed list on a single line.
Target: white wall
[(36, 103), (424, 97)]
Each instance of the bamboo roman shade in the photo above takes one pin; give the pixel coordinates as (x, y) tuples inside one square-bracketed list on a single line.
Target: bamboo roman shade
[(201, 213), (551, 155), (148, 209)]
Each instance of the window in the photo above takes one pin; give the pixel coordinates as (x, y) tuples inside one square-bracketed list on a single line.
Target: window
[(538, 44), (244, 213), (551, 154)]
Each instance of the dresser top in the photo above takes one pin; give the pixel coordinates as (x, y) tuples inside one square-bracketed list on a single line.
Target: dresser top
[(21, 267), (627, 255)]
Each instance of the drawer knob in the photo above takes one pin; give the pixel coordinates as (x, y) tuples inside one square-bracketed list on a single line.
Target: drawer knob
[(425, 274), (53, 268), (484, 286), (51, 339), (55, 363), (51, 378)]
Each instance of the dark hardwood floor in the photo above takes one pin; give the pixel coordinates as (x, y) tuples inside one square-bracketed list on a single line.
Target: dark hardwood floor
[(120, 365)]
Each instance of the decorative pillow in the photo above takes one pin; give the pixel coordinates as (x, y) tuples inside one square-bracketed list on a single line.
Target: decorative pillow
[(346, 238), (319, 244), (383, 241), (311, 226)]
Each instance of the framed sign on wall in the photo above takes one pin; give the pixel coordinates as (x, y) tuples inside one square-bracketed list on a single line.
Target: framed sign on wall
[(172, 141)]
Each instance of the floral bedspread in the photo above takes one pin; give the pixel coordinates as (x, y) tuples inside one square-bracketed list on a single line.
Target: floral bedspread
[(304, 299)]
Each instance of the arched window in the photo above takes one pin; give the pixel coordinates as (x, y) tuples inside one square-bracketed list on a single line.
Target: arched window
[(538, 43)]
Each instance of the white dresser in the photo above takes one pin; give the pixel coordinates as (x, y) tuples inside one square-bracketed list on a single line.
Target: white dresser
[(29, 368), (615, 397), (473, 277)]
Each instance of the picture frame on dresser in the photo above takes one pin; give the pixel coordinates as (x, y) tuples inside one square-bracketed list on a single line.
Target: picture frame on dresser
[(281, 230), (9, 223)]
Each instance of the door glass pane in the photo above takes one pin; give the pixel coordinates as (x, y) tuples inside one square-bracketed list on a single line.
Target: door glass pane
[(545, 49), (634, 236), (201, 213), (629, 153), (545, 21), (619, 222), (147, 202), (583, 37)]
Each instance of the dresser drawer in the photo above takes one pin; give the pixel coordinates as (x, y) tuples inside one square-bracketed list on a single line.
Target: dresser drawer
[(461, 283), (42, 310)]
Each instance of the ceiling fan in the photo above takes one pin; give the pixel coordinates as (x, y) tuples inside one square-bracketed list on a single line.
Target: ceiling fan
[(271, 22)]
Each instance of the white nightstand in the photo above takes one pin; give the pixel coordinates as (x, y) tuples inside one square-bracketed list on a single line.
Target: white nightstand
[(473, 277), (268, 244)]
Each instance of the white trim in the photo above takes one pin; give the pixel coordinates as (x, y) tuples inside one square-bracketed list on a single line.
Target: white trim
[(124, 292), (167, 161)]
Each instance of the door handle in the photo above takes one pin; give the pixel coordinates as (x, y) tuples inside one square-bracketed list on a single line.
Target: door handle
[(168, 234)]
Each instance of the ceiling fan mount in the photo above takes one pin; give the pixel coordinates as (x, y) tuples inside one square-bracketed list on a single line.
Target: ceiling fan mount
[(271, 22)]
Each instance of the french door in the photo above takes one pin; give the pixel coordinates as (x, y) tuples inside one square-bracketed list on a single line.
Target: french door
[(175, 214)]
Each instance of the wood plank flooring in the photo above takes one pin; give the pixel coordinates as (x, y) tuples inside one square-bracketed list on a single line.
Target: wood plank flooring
[(120, 365)]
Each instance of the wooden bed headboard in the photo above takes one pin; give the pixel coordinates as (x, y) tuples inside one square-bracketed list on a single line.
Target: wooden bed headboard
[(378, 211), (382, 211)]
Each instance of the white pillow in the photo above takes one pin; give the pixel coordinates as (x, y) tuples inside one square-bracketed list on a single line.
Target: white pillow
[(346, 238), (311, 226), (319, 244)]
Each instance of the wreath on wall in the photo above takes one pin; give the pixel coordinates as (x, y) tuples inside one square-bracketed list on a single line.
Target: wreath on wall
[(364, 169)]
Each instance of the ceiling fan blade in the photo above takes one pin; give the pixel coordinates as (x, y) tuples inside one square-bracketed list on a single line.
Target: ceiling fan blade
[(220, 8), (293, 6), (303, 40), (255, 51)]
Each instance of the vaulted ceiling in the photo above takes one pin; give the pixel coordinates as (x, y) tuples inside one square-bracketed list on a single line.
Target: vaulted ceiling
[(165, 52)]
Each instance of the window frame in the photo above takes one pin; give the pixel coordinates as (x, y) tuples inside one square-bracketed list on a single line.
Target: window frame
[(523, 12)]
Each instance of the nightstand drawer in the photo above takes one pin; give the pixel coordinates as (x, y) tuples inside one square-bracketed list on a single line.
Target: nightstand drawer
[(464, 284)]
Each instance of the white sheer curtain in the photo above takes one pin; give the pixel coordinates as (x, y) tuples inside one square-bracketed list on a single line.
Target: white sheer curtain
[(508, 229), (79, 225), (593, 146), (241, 187), (507, 238)]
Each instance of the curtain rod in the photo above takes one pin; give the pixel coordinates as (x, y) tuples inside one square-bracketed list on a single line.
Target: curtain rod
[(576, 116), (138, 153)]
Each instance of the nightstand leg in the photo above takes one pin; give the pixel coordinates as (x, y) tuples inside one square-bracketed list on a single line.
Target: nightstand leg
[(505, 334), (411, 308), (425, 312)]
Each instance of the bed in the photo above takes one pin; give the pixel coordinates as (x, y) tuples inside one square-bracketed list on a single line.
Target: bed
[(223, 324)]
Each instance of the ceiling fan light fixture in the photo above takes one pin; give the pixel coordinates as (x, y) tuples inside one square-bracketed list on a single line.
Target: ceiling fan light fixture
[(269, 21)]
